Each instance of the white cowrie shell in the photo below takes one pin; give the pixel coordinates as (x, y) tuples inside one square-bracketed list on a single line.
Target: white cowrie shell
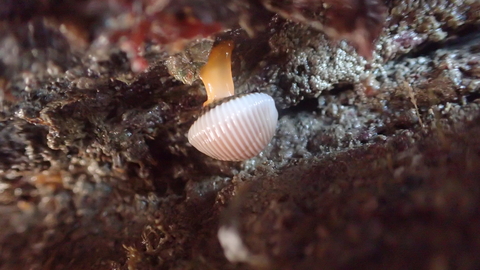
[(236, 129)]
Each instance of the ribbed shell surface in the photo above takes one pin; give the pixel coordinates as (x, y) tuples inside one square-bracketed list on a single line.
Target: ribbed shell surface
[(237, 129)]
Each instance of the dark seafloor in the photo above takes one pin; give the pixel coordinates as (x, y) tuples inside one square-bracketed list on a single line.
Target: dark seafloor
[(375, 163)]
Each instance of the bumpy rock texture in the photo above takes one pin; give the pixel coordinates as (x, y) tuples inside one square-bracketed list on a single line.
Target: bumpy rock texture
[(375, 163)]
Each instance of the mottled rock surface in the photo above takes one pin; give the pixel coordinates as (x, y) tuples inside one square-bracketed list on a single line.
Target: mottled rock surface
[(375, 163)]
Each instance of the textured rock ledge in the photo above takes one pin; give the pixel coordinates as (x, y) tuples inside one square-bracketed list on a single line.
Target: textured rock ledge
[(373, 162)]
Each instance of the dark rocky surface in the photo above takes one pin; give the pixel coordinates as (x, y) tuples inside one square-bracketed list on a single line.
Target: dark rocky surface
[(375, 163)]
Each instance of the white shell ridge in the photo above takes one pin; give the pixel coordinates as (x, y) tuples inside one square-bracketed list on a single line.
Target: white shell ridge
[(236, 130)]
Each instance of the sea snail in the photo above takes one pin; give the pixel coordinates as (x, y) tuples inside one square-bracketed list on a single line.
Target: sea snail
[(231, 127)]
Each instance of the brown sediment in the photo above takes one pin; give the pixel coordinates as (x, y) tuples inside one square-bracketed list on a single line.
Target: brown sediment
[(96, 171)]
